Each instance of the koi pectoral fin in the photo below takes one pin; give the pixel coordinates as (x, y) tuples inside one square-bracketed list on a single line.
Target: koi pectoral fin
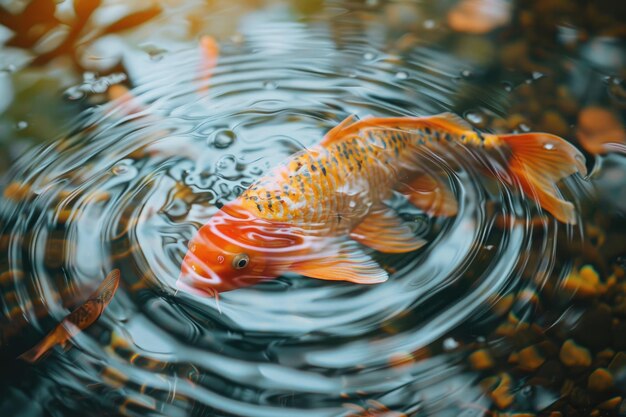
[(344, 261), (431, 194), (384, 231)]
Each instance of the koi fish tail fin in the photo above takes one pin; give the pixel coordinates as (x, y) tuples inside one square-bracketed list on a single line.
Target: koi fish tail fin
[(539, 161)]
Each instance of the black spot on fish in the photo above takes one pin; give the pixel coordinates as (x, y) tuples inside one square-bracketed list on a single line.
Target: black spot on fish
[(258, 207), (324, 171), (313, 168), (427, 130)]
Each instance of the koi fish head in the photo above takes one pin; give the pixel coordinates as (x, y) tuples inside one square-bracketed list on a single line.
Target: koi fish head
[(235, 249)]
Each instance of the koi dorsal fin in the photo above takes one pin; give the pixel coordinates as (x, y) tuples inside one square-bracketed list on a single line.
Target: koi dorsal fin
[(452, 121), (336, 132)]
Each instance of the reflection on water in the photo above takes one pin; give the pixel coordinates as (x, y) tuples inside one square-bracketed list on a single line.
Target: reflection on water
[(504, 309)]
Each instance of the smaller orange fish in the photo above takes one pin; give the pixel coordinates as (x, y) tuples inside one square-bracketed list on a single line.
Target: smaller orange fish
[(79, 319)]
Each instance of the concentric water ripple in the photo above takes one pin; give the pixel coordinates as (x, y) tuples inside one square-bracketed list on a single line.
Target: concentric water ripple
[(129, 185)]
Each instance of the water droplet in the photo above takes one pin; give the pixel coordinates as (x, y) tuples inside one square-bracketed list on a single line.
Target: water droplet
[(508, 87), (524, 127), (21, 125), (401, 75), (74, 93), (429, 24), (368, 56), (89, 76), (450, 344), (352, 75), (466, 73), (548, 146), (270, 85), (224, 138), (237, 38), (100, 86), (475, 118), (536, 75), (119, 169)]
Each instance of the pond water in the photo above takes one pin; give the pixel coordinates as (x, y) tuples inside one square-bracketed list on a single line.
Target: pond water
[(121, 143)]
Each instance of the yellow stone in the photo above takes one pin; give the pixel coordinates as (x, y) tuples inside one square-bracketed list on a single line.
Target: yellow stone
[(589, 275), (530, 359), (503, 305), (480, 360), (501, 395), (583, 283), (505, 329), (573, 355), (16, 191), (610, 404), (600, 380)]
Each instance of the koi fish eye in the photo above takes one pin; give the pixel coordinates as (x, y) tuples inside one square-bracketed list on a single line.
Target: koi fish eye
[(241, 261)]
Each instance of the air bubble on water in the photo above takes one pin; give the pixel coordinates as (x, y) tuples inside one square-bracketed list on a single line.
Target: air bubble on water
[(524, 127), (224, 138), (352, 74), (119, 169), (429, 24), (100, 86), (74, 93), (402, 75), (466, 73), (537, 75), (450, 344), (352, 204), (270, 85), (21, 125), (237, 38), (368, 56), (475, 118), (507, 87)]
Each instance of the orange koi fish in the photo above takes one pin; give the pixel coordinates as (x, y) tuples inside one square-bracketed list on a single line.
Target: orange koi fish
[(310, 213), (79, 319)]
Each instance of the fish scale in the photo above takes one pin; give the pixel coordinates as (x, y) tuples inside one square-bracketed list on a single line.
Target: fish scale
[(316, 176)]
